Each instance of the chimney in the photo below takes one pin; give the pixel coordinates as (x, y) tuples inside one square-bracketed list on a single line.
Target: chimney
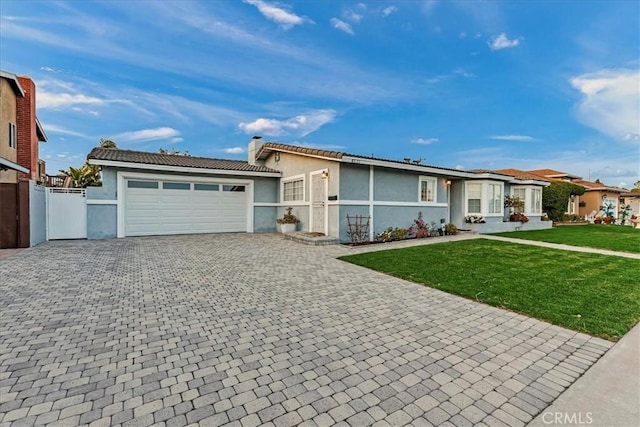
[(253, 148), (27, 137)]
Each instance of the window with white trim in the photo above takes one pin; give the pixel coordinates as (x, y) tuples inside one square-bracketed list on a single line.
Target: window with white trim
[(474, 198), (428, 189), (495, 198), (521, 194), (293, 190), (536, 201), (12, 135)]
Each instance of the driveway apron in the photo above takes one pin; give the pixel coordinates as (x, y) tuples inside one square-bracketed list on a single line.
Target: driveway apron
[(250, 330)]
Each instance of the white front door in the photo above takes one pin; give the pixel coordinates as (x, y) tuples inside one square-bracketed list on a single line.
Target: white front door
[(318, 203)]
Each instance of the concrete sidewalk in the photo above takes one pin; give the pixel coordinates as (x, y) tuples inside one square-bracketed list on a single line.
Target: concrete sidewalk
[(562, 246), (608, 394)]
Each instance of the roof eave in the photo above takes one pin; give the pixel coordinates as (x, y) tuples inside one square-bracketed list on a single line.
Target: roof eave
[(8, 164), (42, 137), (406, 166), (180, 169), (13, 82)]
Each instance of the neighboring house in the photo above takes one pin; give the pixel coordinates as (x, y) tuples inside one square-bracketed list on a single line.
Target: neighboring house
[(152, 194), (596, 195), (573, 203), (22, 210), (631, 198)]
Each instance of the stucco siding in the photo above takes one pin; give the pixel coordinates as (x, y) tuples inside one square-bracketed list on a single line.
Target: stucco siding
[(351, 211), (101, 221), (265, 190), (456, 202), (108, 189), (293, 165), (37, 214), (395, 186), (403, 217), (354, 182), (301, 212), (8, 114), (264, 219)]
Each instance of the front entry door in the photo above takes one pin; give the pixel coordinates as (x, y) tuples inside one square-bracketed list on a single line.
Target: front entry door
[(318, 203)]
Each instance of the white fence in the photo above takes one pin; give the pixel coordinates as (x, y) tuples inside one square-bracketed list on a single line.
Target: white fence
[(66, 213)]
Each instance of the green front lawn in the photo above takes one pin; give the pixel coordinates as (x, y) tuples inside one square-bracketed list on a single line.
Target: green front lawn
[(611, 237), (595, 294)]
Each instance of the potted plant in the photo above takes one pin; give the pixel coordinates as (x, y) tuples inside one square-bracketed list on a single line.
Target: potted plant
[(288, 223)]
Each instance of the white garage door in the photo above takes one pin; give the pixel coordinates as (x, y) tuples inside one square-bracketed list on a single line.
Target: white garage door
[(154, 207)]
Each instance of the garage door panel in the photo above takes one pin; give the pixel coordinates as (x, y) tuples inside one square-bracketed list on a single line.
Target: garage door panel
[(165, 209)]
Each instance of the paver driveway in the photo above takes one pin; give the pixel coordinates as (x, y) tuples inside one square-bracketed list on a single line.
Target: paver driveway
[(253, 329)]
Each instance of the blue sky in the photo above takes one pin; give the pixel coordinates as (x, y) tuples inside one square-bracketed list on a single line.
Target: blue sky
[(467, 84)]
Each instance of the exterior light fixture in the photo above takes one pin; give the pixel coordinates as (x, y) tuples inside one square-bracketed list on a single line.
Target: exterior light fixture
[(448, 182), (325, 174)]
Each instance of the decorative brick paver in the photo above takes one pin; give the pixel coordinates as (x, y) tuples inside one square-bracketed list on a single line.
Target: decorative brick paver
[(252, 330)]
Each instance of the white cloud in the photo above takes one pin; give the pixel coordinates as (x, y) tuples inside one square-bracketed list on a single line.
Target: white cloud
[(512, 137), (277, 14), (149, 135), (339, 24), (352, 16), (503, 42), (462, 72), (610, 102), (301, 125), (51, 100), (389, 10), (462, 35), (234, 150), (424, 141), (63, 131)]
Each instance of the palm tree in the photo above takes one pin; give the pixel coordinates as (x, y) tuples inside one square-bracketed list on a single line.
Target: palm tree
[(107, 143)]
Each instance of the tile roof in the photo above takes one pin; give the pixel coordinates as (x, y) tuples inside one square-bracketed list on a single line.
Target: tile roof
[(520, 174), (141, 157), (338, 155), (598, 186), (552, 173), (297, 149)]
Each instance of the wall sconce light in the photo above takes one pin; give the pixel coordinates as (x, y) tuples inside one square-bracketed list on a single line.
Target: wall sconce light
[(604, 196), (448, 182), (277, 156), (325, 174)]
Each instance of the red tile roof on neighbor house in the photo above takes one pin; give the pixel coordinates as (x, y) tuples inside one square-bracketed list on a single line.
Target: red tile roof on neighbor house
[(598, 186), (552, 173), (520, 174), (141, 157)]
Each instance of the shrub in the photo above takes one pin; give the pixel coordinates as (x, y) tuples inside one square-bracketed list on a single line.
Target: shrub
[(391, 234), (556, 196), (288, 218), (419, 228), (519, 217), (450, 229), (474, 219), (571, 218)]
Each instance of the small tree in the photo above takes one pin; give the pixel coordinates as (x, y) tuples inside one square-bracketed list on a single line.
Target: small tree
[(107, 143), (85, 176), (174, 152), (555, 198)]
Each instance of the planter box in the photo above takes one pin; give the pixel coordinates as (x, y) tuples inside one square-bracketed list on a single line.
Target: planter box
[(286, 228)]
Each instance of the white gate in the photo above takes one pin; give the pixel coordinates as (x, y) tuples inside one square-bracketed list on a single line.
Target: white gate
[(66, 213)]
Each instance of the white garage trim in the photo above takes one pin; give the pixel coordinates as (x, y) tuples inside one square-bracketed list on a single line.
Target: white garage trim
[(180, 169), (123, 177)]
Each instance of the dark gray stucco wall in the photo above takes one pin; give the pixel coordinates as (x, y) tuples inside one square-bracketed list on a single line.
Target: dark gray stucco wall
[(354, 182), (102, 221)]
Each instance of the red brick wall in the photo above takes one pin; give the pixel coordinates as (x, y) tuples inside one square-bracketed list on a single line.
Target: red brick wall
[(27, 137)]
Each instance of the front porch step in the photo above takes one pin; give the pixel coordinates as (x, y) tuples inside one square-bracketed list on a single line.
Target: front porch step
[(310, 239)]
